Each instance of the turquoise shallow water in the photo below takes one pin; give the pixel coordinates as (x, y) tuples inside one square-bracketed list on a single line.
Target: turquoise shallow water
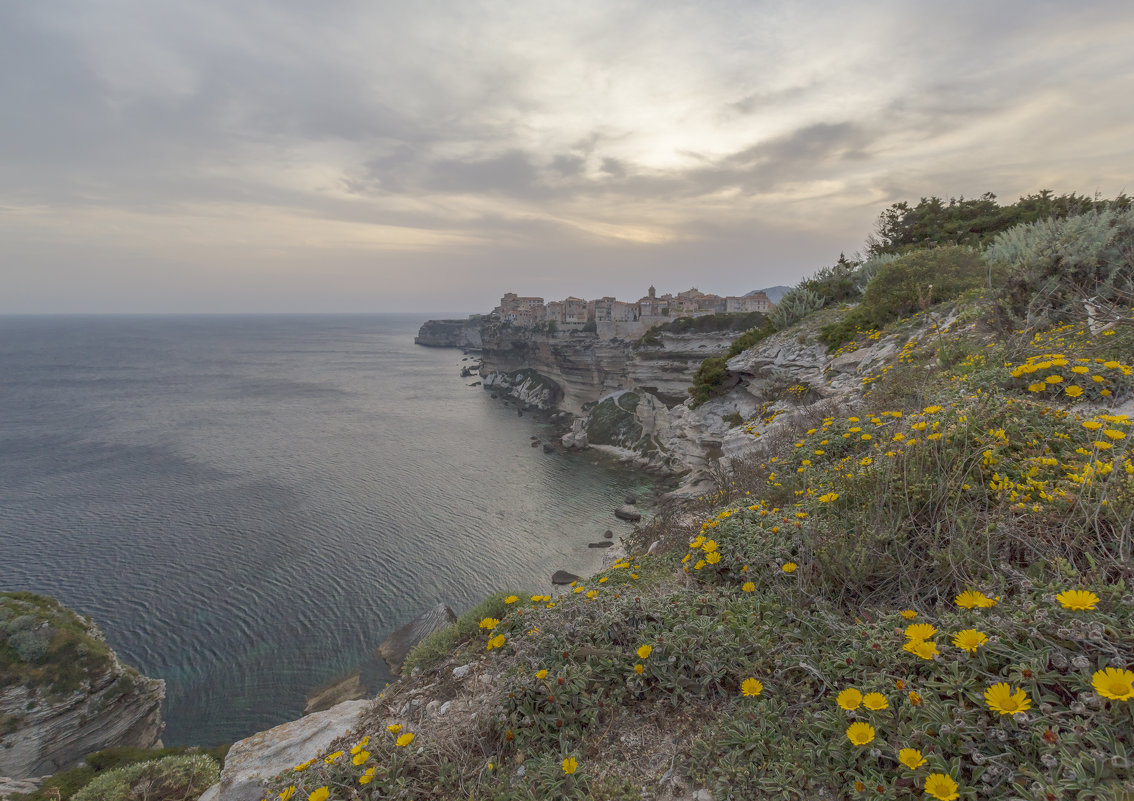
[(249, 505)]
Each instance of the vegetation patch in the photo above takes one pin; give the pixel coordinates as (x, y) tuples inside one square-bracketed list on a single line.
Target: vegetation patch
[(45, 645)]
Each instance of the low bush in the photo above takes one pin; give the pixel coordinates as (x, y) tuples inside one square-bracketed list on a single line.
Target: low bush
[(175, 778), (1052, 266), (908, 284)]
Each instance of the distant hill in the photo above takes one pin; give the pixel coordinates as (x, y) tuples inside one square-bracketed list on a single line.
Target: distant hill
[(774, 293)]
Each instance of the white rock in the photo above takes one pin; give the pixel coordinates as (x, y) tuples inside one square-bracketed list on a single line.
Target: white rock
[(261, 756), (461, 672)]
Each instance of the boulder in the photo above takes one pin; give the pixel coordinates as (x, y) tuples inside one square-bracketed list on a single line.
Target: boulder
[(348, 688), (608, 534), (628, 512), (398, 644), (263, 755), (603, 544), (561, 577)]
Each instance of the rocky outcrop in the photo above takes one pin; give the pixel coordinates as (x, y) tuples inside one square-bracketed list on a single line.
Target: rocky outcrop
[(451, 333), (584, 368), (527, 386), (261, 756), (398, 644), (76, 698)]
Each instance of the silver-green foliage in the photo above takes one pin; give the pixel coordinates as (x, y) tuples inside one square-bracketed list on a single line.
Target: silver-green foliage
[(175, 777), (1053, 265), (796, 304), (869, 268)]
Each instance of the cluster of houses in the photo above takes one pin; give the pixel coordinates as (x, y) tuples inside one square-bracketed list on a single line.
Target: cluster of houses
[(610, 318)]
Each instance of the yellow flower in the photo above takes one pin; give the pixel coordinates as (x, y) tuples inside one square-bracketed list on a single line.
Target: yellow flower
[(541, 674), (911, 758), (908, 614), (1073, 391), (709, 546), (789, 567), (1114, 683), (288, 793), (1054, 379), (860, 733), (394, 728), (303, 766), (749, 587), (970, 599), (496, 642), (1079, 600), (489, 623), (751, 687), (405, 739), (331, 758), (645, 651), (924, 649), (829, 497), (639, 668), (941, 786), (1037, 387), (1113, 433), (322, 794), (920, 631), (875, 701), (970, 640), (1001, 698), (361, 757), (713, 557), (849, 699), (915, 699), (511, 599), (570, 765), (367, 777)]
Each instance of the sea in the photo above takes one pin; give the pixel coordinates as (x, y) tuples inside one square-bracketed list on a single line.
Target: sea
[(249, 505)]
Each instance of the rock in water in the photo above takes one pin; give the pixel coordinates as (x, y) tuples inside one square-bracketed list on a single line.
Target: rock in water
[(398, 644), (603, 544), (263, 755), (608, 534), (348, 688), (561, 577), (90, 700), (628, 512)]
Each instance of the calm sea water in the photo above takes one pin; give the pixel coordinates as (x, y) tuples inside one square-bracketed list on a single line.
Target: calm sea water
[(249, 505)]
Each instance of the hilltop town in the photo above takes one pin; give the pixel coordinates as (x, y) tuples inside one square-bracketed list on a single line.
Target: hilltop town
[(610, 318)]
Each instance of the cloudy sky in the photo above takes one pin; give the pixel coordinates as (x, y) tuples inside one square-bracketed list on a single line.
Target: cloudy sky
[(367, 155)]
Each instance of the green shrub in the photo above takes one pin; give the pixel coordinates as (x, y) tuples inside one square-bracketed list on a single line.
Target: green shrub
[(63, 785), (908, 284), (796, 304), (1054, 265), (712, 378), (174, 778)]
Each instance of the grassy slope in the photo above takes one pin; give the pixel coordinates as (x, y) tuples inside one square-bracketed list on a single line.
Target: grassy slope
[(959, 468), (67, 653)]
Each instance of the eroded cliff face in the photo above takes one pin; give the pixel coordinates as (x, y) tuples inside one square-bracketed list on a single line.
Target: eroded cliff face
[(70, 696), (585, 368), (451, 333)]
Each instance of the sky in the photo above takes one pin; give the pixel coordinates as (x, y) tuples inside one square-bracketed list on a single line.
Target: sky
[(370, 156)]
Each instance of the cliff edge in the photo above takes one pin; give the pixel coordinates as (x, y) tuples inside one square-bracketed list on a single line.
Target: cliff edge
[(65, 693)]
